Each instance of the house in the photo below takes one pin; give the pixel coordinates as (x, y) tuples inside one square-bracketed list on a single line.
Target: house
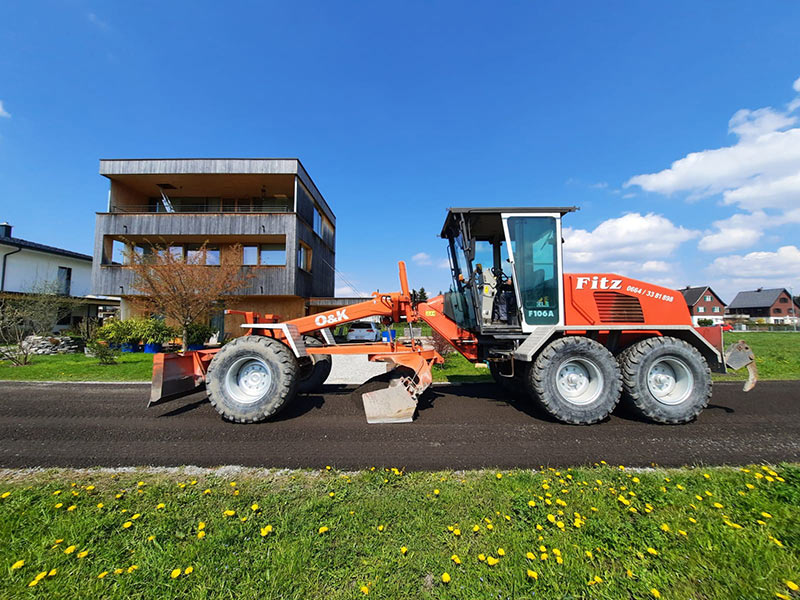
[(774, 306), (704, 303), (27, 266), (270, 209)]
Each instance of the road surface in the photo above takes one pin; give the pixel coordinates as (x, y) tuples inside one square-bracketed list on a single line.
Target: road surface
[(457, 427)]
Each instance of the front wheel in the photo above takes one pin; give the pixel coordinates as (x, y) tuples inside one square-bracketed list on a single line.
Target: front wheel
[(251, 378), (576, 380), (665, 379)]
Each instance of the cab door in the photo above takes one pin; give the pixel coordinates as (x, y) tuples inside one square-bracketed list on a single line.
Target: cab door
[(534, 249)]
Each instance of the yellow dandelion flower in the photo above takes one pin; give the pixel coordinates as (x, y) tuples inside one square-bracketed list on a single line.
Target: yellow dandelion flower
[(5, 495), (206, 492), (652, 551), (481, 557), (100, 505), (445, 577), (71, 508), (492, 561), (598, 579), (229, 513), (456, 532), (530, 556), (160, 505), (103, 574), (692, 520), (499, 475), (243, 519), (188, 570), (59, 505), (476, 528), (175, 573), (436, 492), (665, 527), (782, 596), (69, 550), (766, 515), (136, 516), (233, 484), (82, 554), (322, 530), (126, 524), (544, 556), (792, 585), (455, 559), (403, 550), (560, 524), (629, 573), (150, 538), (331, 494), (490, 527), (265, 531), (533, 574), (118, 571), (201, 535), (132, 568), (364, 590), (201, 525), (501, 552), (589, 554), (52, 572), (682, 532), (655, 593), (717, 505)]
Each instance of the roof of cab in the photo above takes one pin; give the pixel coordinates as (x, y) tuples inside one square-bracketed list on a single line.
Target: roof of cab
[(487, 219)]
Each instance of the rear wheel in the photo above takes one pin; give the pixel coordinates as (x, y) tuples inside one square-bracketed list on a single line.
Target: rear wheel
[(251, 378), (576, 380), (313, 369), (665, 379)]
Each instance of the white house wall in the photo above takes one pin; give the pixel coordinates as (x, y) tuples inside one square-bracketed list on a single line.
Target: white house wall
[(27, 268)]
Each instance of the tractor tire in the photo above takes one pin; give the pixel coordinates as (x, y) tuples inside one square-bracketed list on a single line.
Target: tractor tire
[(665, 380), (576, 380), (513, 385), (251, 378), (312, 370)]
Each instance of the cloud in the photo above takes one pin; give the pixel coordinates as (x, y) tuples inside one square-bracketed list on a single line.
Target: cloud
[(422, 258), (749, 124), (3, 112), (347, 291), (98, 22), (636, 238), (656, 266), (796, 85), (783, 265)]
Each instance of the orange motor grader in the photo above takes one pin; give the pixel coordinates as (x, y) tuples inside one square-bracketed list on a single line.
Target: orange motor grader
[(576, 343)]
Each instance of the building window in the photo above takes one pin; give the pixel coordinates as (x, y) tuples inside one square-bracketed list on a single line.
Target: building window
[(701, 309), (715, 309), (272, 254), (64, 280), (777, 311), (784, 300), (304, 257), (707, 298), (194, 255), (250, 255)]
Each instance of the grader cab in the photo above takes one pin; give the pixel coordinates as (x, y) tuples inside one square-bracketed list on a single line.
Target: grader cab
[(575, 343)]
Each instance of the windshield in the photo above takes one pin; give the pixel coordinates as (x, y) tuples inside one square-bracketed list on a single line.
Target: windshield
[(535, 253)]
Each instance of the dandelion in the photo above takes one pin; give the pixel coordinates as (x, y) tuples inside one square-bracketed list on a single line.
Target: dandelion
[(490, 527), (364, 590), (782, 596), (265, 531), (455, 559), (188, 570), (665, 527), (52, 572), (100, 505), (5, 495), (82, 554), (69, 550), (766, 515), (481, 557), (71, 508), (136, 516), (456, 532), (201, 535), (530, 556), (655, 593), (682, 532), (446, 576), (501, 552), (652, 551), (206, 492), (533, 574), (531, 503), (589, 554), (436, 492), (18, 565), (175, 573), (717, 505), (499, 475), (160, 505), (119, 571), (381, 528), (331, 494), (132, 568), (322, 530), (629, 573), (59, 505), (403, 550), (127, 524), (792, 585), (476, 528), (492, 561), (151, 538), (229, 513), (103, 574)]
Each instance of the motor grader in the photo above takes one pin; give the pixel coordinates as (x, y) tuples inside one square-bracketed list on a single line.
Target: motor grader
[(576, 343)]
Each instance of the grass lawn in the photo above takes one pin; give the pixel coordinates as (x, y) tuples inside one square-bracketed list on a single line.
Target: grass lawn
[(777, 354), (602, 532), (78, 367)]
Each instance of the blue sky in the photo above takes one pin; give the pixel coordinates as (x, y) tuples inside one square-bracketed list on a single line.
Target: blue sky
[(401, 110)]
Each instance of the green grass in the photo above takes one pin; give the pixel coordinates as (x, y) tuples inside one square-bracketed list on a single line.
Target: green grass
[(457, 369), (699, 549), (78, 367), (777, 354)]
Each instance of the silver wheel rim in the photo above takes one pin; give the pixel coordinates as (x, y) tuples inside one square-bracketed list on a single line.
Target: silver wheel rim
[(248, 379), (579, 381), (670, 380)]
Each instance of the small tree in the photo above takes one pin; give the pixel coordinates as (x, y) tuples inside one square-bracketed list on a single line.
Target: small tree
[(422, 295), (34, 313), (184, 290)]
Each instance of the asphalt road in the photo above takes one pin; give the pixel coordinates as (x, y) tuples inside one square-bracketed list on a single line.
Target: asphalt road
[(457, 427)]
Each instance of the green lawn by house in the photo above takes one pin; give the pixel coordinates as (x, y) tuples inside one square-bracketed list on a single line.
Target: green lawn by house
[(78, 367)]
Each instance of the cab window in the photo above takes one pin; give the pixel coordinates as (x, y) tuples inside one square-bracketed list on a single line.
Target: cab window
[(535, 250)]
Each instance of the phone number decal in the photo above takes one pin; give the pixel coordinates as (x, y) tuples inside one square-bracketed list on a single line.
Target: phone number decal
[(650, 294)]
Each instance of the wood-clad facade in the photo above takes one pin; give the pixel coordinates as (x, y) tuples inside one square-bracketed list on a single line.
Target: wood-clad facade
[(269, 209)]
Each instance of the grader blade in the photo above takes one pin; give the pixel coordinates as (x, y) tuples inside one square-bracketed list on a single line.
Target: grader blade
[(176, 375), (740, 355), (398, 402)]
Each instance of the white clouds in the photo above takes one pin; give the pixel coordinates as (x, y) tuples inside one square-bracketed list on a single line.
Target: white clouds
[(748, 124), (3, 112), (422, 258), (347, 291), (656, 266), (759, 174), (642, 239), (778, 268), (98, 22)]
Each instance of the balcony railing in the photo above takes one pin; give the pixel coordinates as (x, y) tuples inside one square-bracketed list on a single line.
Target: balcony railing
[(203, 208)]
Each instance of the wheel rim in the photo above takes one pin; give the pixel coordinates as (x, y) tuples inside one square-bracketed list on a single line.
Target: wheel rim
[(579, 381), (248, 379), (670, 380)]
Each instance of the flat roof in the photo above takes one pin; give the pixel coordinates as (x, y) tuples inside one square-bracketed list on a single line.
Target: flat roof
[(486, 219), (118, 168)]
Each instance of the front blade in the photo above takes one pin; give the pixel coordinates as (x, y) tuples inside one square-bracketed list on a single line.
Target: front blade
[(174, 375), (740, 355), (393, 404)]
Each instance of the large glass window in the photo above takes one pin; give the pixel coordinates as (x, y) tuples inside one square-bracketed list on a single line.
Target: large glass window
[(272, 254), (534, 247), (250, 255), (304, 257)]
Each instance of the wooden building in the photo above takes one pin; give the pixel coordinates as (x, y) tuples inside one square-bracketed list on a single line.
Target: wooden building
[(269, 207)]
